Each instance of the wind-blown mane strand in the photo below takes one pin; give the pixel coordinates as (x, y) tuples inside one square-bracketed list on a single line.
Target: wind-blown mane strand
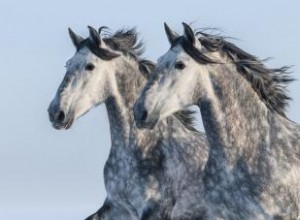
[(124, 40)]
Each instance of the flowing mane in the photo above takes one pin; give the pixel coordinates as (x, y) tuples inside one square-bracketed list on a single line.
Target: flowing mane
[(270, 84), (124, 40)]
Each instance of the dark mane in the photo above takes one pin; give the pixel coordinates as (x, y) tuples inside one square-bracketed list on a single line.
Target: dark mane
[(270, 84), (125, 41)]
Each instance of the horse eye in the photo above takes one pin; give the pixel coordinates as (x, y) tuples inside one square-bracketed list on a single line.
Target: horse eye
[(179, 65), (89, 67)]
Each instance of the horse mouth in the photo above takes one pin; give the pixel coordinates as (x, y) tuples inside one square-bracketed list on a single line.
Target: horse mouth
[(64, 125)]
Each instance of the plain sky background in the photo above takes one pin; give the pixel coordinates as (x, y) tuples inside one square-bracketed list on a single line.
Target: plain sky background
[(49, 174)]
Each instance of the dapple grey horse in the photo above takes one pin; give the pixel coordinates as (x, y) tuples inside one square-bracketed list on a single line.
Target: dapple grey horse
[(253, 169)]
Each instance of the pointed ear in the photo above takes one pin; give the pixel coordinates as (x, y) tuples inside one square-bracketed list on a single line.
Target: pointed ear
[(190, 36), (170, 34), (95, 37), (76, 39)]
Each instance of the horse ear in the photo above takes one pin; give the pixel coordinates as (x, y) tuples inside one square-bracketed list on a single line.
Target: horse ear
[(76, 39), (95, 37), (190, 36), (170, 34)]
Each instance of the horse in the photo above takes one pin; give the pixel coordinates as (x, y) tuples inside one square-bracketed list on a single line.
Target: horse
[(153, 174), (253, 169)]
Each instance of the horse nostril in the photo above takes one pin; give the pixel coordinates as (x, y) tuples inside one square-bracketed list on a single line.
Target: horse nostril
[(60, 116), (144, 115)]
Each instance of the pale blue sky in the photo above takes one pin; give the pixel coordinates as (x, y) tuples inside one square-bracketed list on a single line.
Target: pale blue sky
[(48, 174)]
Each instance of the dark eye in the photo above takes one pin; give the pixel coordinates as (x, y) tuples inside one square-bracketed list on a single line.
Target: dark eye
[(179, 65), (89, 67)]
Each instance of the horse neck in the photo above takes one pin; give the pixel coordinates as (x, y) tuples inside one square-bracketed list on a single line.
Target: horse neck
[(235, 119), (128, 83)]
